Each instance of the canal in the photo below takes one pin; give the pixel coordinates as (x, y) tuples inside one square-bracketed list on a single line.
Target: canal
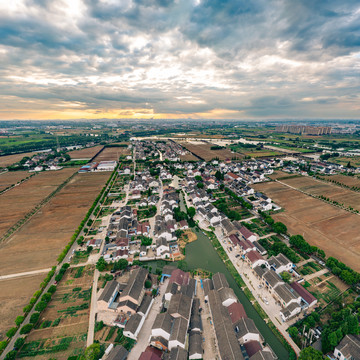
[(201, 254)]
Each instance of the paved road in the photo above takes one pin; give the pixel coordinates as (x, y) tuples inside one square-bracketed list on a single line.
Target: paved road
[(145, 332), (93, 309)]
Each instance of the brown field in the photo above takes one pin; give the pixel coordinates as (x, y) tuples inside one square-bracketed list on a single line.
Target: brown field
[(12, 177), (188, 157), (13, 300), (112, 153), (335, 231), (203, 151), (70, 325), (12, 159), (23, 198), (86, 153), (346, 180), (333, 192), (354, 160), (39, 242)]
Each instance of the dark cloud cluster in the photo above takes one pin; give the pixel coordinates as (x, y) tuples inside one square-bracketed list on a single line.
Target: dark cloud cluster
[(260, 58)]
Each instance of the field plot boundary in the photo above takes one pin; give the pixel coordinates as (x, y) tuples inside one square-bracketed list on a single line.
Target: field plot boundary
[(20, 223)]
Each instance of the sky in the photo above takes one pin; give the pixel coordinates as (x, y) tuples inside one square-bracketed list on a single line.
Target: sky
[(201, 59)]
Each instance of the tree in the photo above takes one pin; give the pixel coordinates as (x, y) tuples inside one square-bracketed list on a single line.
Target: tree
[(191, 212), (148, 284), (293, 332), (46, 297), (285, 276), (19, 319), (26, 329), (3, 345), (146, 241), (219, 175), (101, 264), (310, 353), (333, 340), (280, 228), (11, 355), (19, 343), (120, 264), (198, 178), (40, 306), (34, 317), (92, 352), (11, 332), (52, 289), (200, 185)]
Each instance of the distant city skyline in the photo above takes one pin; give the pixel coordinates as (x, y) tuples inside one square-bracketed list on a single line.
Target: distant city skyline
[(169, 59)]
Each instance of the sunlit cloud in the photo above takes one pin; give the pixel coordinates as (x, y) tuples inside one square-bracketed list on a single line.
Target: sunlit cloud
[(70, 59)]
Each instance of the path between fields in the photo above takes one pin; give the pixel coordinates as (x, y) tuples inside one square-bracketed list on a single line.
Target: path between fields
[(314, 275), (40, 271)]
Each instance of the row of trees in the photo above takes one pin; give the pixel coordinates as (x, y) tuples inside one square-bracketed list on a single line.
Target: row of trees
[(345, 273), (277, 227), (298, 242)]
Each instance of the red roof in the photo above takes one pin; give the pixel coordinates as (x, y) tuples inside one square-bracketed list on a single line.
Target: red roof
[(183, 223), (309, 298), (179, 277), (234, 239), (245, 232), (236, 312), (122, 242), (151, 354), (246, 244), (252, 347), (234, 176), (253, 256)]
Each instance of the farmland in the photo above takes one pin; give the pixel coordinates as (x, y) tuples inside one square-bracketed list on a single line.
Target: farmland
[(318, 187), (23, 198), (38, 243), (346, 180), (13, 300), (86, 153), (10, 178), (112, 153), (354, 160), (62, 327), (335, 231), (12, 159), (203, 150)]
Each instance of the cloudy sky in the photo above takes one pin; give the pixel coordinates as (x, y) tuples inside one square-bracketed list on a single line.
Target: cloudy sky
[(238, 59)]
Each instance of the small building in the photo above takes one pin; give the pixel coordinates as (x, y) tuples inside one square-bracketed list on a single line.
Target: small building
[(348, 348), (133, 326), (195, 346)]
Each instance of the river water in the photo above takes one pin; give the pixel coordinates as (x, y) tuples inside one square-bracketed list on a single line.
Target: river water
[(201, 254)]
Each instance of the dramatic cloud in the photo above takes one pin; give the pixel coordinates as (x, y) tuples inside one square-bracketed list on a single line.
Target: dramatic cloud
[(171, 58)]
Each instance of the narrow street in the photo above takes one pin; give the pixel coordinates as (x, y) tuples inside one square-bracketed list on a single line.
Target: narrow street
[(145, 332)]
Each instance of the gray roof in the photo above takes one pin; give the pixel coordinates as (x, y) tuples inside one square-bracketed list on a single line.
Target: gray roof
[(219, 281), (135, 284), (128, 303), (259, 271), (171, 288), (207, 285), (109, 290), (350, 347), (179, 330), (229, 347), (263, 355), (195, 343), (118, 353), (177, 353), (272, 278), (286, 293), (145, 304), (163, 321), (245, 326), (227, 293), (133, 323), (180, 304), (195, 319)]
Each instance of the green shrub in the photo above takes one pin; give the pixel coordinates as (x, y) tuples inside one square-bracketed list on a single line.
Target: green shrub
[(26, 329)]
